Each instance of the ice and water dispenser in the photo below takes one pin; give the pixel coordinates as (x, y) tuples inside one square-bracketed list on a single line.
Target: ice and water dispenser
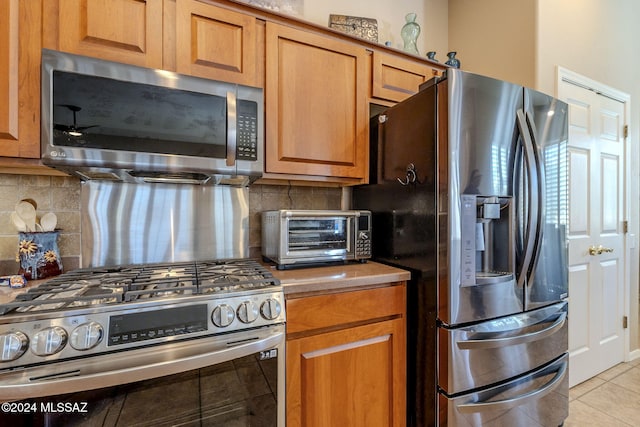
[(488, 240)]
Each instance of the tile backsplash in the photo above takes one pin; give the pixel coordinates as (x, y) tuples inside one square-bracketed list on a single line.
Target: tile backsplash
[(61, 195)]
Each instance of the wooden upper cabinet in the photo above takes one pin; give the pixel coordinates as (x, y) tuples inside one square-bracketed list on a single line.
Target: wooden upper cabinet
[(395, 78), (20, 34), (215, 43), (128, 31), (316, 105)]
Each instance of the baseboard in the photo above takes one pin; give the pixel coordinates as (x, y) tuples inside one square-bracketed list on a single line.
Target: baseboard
[(635, 354)]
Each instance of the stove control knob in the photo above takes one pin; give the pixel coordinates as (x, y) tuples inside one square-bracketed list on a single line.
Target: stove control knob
[(270, 309), (222, 315), (13, 345), (247, 312), (86, 336), (49, 341)]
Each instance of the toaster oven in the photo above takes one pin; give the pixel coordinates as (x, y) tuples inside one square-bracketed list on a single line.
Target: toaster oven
[(296, 238)]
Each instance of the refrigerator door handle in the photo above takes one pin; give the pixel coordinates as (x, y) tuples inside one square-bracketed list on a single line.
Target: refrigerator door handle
[(532, 196), (540, 193), (479, 344), (502, 405)]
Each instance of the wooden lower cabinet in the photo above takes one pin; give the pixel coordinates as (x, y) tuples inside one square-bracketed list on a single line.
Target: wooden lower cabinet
[(347, 367)]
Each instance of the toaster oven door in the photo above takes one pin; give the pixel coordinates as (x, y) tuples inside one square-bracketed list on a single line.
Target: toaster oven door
[(318, 238)]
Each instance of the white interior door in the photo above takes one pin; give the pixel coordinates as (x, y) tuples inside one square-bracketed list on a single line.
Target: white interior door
[(596, 230)]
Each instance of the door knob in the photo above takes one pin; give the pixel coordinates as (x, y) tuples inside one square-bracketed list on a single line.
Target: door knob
[(597, 250)]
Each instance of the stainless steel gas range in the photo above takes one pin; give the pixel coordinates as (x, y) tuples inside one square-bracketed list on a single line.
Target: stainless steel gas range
[(209, 335)]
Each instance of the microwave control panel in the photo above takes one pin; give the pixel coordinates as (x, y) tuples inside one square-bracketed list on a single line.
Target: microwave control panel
[(247, 144)]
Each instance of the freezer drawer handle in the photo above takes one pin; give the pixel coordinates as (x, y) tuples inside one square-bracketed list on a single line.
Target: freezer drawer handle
[(503, 405), (520, 339)]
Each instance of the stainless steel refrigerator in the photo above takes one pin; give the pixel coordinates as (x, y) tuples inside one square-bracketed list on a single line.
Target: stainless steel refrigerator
[(468, 191)]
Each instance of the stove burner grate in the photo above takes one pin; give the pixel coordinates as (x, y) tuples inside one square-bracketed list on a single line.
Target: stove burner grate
[(114, 285)]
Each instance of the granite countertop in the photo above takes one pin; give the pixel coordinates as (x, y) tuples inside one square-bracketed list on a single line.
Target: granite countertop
[(331, 278)]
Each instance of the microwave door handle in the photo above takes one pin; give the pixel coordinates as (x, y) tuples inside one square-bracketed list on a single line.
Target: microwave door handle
[(232, 128)]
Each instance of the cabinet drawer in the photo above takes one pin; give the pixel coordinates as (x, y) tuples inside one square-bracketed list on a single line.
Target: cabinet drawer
[(396, 79), (324, 311)]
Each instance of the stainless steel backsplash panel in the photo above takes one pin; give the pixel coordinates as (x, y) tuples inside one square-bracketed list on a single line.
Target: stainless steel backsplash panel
[(126, 223)]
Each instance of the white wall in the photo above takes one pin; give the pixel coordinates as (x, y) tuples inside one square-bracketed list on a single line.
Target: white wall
[(431, 16)]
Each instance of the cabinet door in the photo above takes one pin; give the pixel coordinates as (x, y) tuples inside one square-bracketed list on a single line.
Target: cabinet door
[(127, 31), (316, 105), (20, 24), (352, 377), (215, 43), (396, 79)]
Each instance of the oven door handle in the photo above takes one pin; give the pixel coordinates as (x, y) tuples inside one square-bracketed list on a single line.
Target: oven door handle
[(124, 367)]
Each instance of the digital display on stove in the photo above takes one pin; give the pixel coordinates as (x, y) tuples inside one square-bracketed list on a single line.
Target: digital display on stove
[(148, 325)]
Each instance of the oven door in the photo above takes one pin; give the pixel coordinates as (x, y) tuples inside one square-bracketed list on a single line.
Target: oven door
[(233, 380)]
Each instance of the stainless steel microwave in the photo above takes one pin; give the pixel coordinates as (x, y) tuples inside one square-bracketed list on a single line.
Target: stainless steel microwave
[(295, 238), (106, 120)]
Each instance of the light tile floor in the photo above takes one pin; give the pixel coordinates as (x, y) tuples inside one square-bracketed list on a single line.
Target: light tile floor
[(609, 399)]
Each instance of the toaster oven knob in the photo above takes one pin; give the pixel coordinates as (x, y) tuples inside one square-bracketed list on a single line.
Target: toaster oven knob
[(12, 346), (86, 336), (247, 312), (49, 341), (222, 315), (270, 309)]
